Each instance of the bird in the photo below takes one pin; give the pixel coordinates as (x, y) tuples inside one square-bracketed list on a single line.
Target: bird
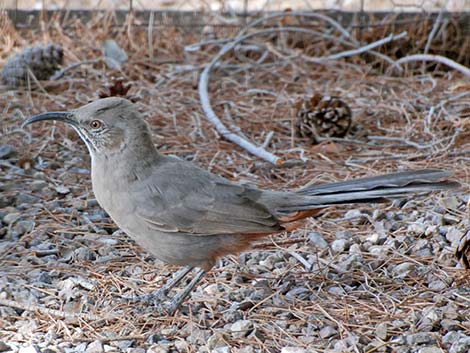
[(185, 215)]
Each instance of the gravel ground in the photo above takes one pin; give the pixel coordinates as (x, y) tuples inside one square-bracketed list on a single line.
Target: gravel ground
[(372, 279)]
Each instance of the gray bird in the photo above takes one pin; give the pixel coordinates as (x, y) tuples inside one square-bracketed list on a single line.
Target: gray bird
[(187, 216)]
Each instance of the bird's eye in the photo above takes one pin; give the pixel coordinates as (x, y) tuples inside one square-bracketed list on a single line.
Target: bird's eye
[(96, 124)]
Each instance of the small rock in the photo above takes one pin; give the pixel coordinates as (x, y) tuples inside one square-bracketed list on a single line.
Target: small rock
[(216, 340), (432, 314), (420, 338), (181, 346), (451, 337), (62, 190), (7, 151), (433, 349), (373, 238), (10, 218), (95, 347), (351, 262), (23, 197), (450, 325), (337, 291), (114, 55), (81, 347), (37, 185), (198, 336), (379, 251), (80, 205), (246, 349), (328, 332), (241, 328), (355, 249), (454, 235), (451, 203), (29, 349), (403, 269), (317, 240), (437, 285), (451, 219), (381, 331), (461, 346), (340, 245), (84, 253), (417, 228), (156, 348), (4, 347), (293, 350), (211, 290), (153, 338), (224, 349), (124, 344), (351, 214), (141, 350), (343, 234), (23, 227)]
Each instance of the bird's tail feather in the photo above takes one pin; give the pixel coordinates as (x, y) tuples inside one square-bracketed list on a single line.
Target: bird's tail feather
[(372, 189)]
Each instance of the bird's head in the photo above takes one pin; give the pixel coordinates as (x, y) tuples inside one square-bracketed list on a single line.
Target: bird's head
[(107, 126)]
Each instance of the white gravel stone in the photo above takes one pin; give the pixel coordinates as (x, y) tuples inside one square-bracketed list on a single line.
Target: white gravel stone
[(340, 245), (420, 338), (317, 240), (29, 349), (433, 349), (241, 328), (293, 350), (224, 349), (327, 332), (140, 350), (10, 218), (401, 270), (381, 331), (95, 347)]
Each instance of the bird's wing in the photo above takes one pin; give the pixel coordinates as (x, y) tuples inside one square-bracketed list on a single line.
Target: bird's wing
[(184, 198)]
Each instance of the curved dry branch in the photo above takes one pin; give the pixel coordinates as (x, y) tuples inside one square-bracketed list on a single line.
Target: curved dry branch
[(428, 57)]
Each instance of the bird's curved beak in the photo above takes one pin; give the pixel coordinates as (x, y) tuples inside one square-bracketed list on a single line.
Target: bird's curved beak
[(65, 117)]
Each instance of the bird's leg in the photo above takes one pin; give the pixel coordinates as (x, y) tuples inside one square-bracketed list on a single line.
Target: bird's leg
[(176, 301), (161, 293), (158, 298)]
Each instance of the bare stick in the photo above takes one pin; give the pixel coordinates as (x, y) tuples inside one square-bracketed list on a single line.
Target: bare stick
[(150, 34), (357, 51), (325, 18), (433, 32), (223, 130), (61, 72), (428, 57)]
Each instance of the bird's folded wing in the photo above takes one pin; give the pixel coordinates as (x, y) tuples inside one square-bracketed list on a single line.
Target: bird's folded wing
[(190, 200)]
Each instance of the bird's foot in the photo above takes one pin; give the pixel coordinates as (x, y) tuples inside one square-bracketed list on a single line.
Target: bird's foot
[(159, 301)]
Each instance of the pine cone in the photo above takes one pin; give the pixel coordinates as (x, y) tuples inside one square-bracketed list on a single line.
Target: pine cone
[(118, 89), (41, 60), (322, 117)]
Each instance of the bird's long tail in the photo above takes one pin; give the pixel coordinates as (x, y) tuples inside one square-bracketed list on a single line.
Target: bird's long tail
[(372, 189)]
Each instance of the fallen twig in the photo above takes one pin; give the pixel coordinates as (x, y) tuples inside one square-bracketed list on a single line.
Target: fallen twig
[(61, 72), (428, 57), (360, 50)]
